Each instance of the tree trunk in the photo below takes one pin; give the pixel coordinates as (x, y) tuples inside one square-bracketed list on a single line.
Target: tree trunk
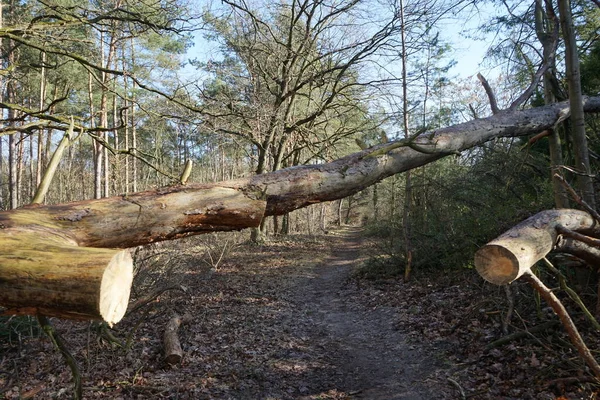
[(375, 203), (407, 210), (292, 188), (56, 231), (1, 173), (2, 96), (585, 182), (21, 196), (285, 224), (44, 183), (276, 225), (39, 166), (13, 189), (134, 171), (97, 147), (48, 265), (323, 217), (546, 27), (512, 254), (116, 173), (44, 271), (12, 169)]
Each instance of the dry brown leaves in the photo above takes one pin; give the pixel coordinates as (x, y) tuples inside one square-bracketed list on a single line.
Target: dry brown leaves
[(257, 332)]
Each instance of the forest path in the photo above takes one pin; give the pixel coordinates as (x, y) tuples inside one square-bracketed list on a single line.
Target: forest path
[(372, 357), (281, 321), (284, 321)]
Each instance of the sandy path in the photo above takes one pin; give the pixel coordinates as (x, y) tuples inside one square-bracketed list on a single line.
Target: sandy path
[(372, 358)]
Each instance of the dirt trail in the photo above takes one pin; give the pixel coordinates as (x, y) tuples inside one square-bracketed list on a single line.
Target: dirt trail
[(283, 322), (373, 358), (280, 321)]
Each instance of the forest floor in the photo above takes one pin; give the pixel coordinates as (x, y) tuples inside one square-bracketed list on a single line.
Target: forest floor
[(289, 320)]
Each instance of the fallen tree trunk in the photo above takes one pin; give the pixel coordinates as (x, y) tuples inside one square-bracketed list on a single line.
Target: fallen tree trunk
[(173, 350), (296, 187), (42, 272), (510, 255), (58, 260), (179, 211)]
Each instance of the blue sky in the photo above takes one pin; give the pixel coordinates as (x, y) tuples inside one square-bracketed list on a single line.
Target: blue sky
[(468, 53)]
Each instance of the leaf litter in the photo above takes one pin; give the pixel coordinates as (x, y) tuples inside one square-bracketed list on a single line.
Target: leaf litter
[(289, 320)]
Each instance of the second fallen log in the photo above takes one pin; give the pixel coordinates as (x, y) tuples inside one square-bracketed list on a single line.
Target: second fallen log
[(173, 350), (510, 255)]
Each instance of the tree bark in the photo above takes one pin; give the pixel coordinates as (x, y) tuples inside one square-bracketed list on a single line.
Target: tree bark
[(59, 260), (587, 253), (585, 182), (407, 209), (173, 350), (44, 183), (142, 218), (546, 28), (45, 272), (512, 254), (179, 211), (296, 187)]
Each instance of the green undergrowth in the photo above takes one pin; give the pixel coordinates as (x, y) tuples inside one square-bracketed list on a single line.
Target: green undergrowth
[(456, 208)]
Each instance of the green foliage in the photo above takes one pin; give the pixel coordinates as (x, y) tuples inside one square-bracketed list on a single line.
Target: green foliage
[(458, 205), (590, 71)]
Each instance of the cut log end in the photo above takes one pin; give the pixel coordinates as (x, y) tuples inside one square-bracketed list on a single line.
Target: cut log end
[(116, 287), (496, 264), (42, 272), (513, 253)]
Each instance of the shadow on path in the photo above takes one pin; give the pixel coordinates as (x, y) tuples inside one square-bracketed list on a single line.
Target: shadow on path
[(371, 357)]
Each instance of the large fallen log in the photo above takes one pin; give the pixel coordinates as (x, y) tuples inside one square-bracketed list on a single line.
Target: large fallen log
[(59, 260), (513, 253), (43, 272), (179, 211)]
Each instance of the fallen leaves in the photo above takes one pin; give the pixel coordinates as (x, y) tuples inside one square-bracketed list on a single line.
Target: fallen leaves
[(282, 321)]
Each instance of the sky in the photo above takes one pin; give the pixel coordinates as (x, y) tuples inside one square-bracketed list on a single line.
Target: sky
[(468, 53)]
